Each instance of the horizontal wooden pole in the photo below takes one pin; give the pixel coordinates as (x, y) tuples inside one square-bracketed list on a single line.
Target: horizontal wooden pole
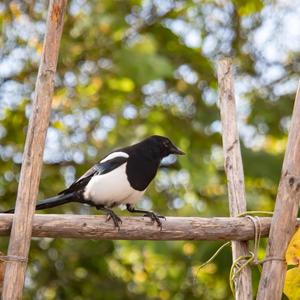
[(140, 228)]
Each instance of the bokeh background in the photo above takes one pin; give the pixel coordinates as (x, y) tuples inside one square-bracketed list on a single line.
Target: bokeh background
[(129, 69)]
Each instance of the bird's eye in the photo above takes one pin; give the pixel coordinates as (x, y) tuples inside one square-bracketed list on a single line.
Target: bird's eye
[(166, 144)]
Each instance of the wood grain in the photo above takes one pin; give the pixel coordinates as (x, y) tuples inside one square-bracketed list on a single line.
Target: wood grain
[(286, 209), (234, 169), (33, 152), (140, 228)]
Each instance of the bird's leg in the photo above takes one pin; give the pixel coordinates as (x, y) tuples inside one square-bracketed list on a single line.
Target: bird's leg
[(152, 215), (110, 215)]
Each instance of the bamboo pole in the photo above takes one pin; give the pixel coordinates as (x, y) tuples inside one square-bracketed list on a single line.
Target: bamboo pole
[(234, 169), (140, 228), (285, 213), (19, 243)]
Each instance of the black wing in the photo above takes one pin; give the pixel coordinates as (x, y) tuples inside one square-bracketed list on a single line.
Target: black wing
[(97, 169)]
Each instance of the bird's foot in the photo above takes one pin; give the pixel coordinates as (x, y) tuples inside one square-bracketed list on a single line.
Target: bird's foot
[(115, 218), (155, 218)]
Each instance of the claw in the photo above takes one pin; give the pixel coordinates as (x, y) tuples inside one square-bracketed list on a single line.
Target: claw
[(155, 218), (116, 219)]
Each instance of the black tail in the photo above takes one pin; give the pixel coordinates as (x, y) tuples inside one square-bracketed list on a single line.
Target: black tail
[(51, 202)]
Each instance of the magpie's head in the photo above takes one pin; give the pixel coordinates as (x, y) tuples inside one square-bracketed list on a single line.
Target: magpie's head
[(162, 146)]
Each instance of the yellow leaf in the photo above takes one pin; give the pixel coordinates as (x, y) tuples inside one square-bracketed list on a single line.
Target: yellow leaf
[(60, 126), (164, 295), (274, 145), (188, 248), (140, 276), (15, 9), (104, 27), (97, 83), (121, 84), (146, 44), (181, 85), (292, 254), (292, 284)]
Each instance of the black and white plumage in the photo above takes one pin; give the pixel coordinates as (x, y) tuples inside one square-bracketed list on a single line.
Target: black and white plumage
[(121, 177)]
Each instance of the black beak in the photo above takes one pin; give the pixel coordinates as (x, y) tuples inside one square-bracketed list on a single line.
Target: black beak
[(175, 150)]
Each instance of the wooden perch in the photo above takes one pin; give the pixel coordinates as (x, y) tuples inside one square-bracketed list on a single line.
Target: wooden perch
[(234, 169), (140, 228), (284, 219), (20, 238)]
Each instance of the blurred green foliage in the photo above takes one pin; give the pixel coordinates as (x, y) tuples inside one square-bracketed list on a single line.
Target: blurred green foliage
[(129, 69)]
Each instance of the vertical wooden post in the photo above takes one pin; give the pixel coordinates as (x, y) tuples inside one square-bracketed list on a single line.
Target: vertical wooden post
[(284, 219), (234, 169), (20, 237)]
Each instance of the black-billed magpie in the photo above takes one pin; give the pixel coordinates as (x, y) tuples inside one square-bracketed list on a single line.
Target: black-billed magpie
[(121, 177)]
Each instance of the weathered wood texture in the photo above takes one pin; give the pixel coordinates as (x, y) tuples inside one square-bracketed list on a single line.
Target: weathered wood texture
[(32, 157), (284, 218), (234, 169), (140, 228)]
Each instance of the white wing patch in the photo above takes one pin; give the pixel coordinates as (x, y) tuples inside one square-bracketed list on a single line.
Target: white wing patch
[(114, 155)]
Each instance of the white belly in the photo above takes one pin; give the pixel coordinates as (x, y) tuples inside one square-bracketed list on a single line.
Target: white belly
[(112, 189)]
